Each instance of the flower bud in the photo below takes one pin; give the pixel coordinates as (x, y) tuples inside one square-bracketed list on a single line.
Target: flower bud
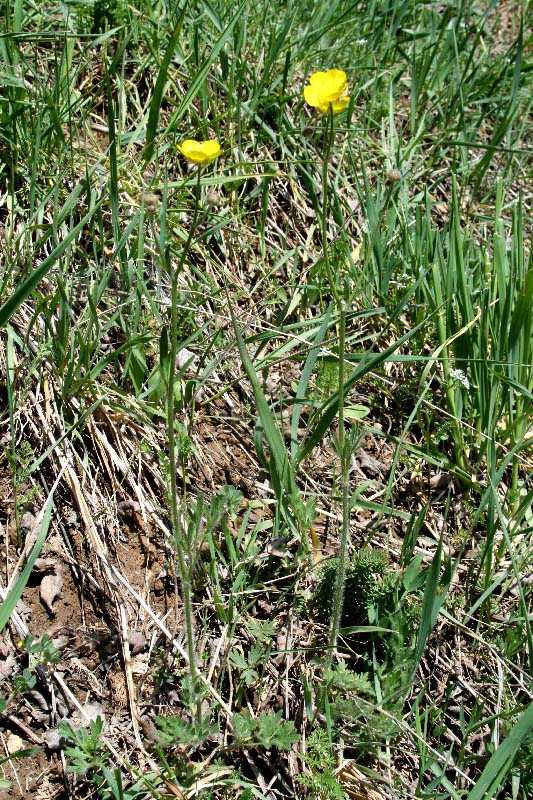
[(394, 175), (151, 202)]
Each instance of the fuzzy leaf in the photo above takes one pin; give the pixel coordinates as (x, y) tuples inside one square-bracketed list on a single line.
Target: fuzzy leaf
[(267, 730)]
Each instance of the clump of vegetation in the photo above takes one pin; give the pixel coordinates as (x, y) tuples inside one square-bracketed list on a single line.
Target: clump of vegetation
[(320, 761), (375, 598), (369, 588)]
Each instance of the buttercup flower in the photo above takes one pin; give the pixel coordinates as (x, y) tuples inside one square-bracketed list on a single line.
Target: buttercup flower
[(327, 89), (200, 152)]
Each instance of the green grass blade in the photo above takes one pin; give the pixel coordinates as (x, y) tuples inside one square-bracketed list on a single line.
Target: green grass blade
[(157, 96), (502, 759), (24, 289), (304, 381), (202, 72), (369, 361), (15, 592), (521, 316), (281, 470), (506, 121), (434, 596)]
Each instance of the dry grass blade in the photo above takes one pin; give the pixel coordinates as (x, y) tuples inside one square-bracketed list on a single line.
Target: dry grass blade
[(356, 784)]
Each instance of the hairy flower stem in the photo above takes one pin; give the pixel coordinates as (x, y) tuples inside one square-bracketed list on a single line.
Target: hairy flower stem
[(329, 134), (184, 569), (338, 598), (340, 302)]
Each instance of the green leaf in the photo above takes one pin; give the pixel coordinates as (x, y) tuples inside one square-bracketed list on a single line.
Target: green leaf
[(356, 411), (26, 752), (24, 289), (502, 759), (413, 577), (267, 730), (157, 96), (434, 596), (237, 659), (164, 353), (175, 730), (14, 594), (281, 470)]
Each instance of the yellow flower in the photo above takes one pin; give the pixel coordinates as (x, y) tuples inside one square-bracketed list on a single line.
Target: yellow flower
[(200, 152), (327, 89)]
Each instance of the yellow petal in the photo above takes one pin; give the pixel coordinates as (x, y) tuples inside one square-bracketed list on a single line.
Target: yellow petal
[(312, 96), (199, 152), (211, 149), (317, 79), (188, 146), (340, 104), (335, 81), (327, 89)]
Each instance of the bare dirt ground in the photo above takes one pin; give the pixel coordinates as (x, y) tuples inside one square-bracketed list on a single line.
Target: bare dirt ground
[(102, 588)]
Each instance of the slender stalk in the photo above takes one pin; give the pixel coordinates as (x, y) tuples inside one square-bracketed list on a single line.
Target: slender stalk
[(329, 133), (340, 302), (177, 527), (338, 600)]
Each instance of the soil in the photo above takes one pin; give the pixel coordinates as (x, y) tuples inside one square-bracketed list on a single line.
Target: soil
[(93, 612)]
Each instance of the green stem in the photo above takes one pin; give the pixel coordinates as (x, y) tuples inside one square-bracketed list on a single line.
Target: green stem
[(338, 600), (329, 133), (340, 302), (177, 527)]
